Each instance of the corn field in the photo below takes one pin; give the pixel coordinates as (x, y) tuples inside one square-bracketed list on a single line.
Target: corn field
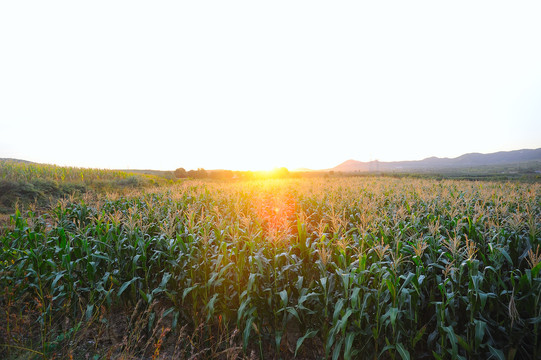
[(339, 268), (20, 171)]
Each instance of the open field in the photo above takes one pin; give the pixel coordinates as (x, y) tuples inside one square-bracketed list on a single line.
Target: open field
[(351, 267)]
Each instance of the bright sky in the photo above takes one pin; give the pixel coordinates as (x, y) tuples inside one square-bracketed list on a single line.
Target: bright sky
[(254, 85)]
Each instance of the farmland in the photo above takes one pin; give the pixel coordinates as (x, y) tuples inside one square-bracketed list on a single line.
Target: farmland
[(369, 267)]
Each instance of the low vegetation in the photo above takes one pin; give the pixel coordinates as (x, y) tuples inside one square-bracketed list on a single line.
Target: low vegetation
[(357, 267), (42, 185)]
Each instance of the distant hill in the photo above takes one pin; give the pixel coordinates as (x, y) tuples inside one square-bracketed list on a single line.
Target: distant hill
[(17, 160), (527, 157), (522, 161)]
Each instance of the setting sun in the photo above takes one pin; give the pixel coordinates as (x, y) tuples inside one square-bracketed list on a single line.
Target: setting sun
[(226, 87)]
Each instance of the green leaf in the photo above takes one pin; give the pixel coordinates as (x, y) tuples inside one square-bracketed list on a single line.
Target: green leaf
[(151, 319), (354, 298), (57, 277), (175, 320), (165, 279), (337, 348), (210, 306), (344, 319), (126, 284), (402, 351), (480, 327), (240, 312), (246, 333), (407, 281), (452, 338), (418, 336), (536, 270), (323, 282), (187, 291), (305, 297), (393, 312), (89, 310), (348, 346), (298, 284), (534, 320), (330, 340), (345, 280), (337, 309), (498, 354), (293, 312), (386, 347), (391, 287), (464, 344), (147, 298), (278, 339), (307, 335), (284, 297)]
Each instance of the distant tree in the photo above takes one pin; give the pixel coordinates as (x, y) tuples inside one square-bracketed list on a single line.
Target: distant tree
[(197, 174), (202, 173), (281, 172), (221, 174), (180, 173)]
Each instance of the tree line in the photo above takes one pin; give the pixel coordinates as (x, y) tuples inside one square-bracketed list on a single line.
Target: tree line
[(201, 173)]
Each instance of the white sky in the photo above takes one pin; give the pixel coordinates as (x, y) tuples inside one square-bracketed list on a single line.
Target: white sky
[(254, 85)]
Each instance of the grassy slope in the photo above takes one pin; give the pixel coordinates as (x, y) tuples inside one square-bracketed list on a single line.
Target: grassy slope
[(25, 182)]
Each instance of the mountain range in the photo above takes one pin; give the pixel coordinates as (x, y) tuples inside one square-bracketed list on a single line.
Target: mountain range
[(471, 160), (525, 160)]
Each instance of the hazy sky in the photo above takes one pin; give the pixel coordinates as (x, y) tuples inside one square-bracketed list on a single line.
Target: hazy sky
[(253, 84)]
